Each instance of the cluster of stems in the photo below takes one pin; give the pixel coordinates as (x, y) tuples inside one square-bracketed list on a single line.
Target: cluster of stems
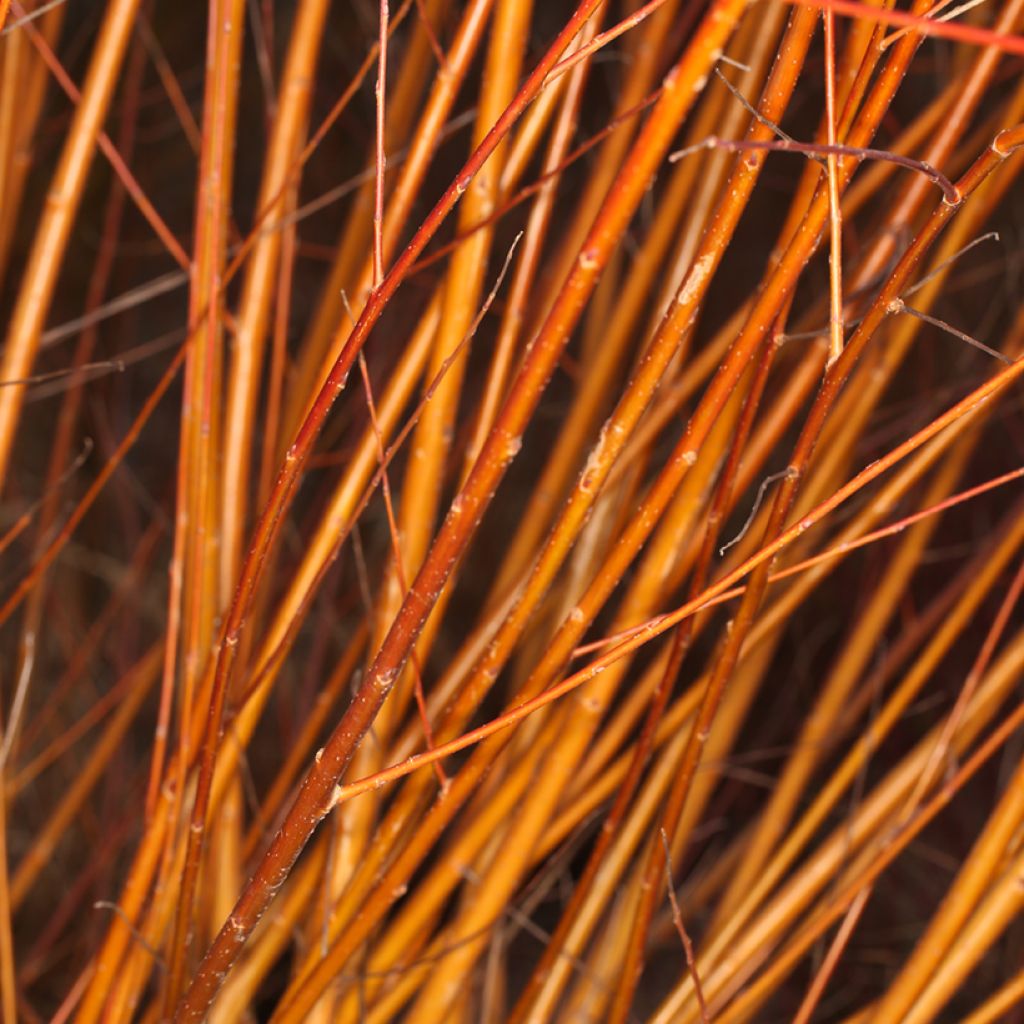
[(511, 511)]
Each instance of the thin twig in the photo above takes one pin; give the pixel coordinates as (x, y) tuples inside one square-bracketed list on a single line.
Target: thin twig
[(677, 920), (899, 306), (761, 490), (811, 149)]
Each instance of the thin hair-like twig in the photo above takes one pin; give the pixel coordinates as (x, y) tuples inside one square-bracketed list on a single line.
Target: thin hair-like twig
[(810, 149), (677, 920)]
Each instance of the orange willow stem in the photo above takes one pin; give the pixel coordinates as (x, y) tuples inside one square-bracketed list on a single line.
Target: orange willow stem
[(201, 429), (326, 343), (111, 152), (43, 264), (834, 213), (314, 799), (60, 456), (740, 626), (922, 25), (624, 645), (719, 591), (261, 271), (278, 861), (840, 901), (649, 149), (379, 157)]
